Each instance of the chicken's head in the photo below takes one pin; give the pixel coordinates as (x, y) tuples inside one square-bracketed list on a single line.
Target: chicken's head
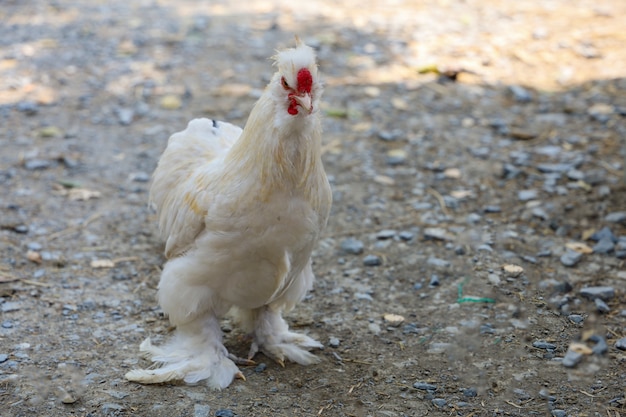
[(295, 84)]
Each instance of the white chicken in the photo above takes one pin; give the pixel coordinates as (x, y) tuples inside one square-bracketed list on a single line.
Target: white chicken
[(241, 211)]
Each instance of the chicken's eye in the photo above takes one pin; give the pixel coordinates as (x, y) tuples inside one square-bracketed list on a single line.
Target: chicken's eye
[(284, 83)]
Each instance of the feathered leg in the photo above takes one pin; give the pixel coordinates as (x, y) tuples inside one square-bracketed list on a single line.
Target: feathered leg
[(271, 336), (195, 352)]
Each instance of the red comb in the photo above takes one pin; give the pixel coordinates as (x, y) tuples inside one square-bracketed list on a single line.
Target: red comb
[(305, 80)]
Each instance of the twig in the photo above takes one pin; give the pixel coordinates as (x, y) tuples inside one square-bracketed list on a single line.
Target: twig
[(358, 361), (513, 404), (440, 199), (71, 229), (38, 284)]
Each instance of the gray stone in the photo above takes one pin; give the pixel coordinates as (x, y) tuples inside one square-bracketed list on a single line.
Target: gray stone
[(352, 246), (372, 260), (333, 342), (37, 164), (406, 235), (604, 293), (601, 306), (434, 281), (260, 368), (542, 344), (604, 233), (520, 94), (616, 217), (571, 258), (549, 168), (571, 359), (604, 246), (424, 386), (470, 392), (439, 402), (492, 209), (558, 413), (4, 357), (526, 195), (390, 136), (437, 262), (576, 318), (10, 306), (201, 410), (436, 233), (620, 344), (125, 116), (224, 412), (600, 347), (521, 394), (386, 234)]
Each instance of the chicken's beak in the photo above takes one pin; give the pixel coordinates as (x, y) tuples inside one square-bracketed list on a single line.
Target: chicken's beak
[(304, 101)]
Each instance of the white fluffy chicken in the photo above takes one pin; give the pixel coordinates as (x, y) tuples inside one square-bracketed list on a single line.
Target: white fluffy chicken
[(241, 211)]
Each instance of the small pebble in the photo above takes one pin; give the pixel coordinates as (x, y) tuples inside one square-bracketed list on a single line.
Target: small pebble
[(521, 394), (571, 359), (333, 342), (396, 157), (424, 386), (604, 293), (437, 233), (201, 410), (385, 234), (576, 318), (558, 413), (520, 94), (603, 233), (542, 344), (372, 260), (406, 235), (7, 324), (616, 217), (570, 258), (260, 368), (526, 195), (601, 306), (620, 344), (600, 347), (4, 357), (437, 262), (352, 246), (470, 392), (439, 402), (604, 246), (492, 209), (434, 281)]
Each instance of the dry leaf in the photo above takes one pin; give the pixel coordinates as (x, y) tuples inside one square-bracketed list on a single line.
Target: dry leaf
[(580, 348), (393, 319), (33, 256), (453, 173), (102, 263), (579, 247), (461, 194), (512, 270), (82, 194), (384, 180)]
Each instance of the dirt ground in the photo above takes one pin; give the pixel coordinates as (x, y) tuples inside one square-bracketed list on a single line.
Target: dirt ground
[(474, 147)]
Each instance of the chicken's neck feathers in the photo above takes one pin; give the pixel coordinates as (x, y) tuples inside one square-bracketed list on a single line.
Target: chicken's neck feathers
[(283, 153)]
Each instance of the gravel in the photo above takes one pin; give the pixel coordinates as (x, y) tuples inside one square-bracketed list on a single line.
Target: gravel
[(438, 183)]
